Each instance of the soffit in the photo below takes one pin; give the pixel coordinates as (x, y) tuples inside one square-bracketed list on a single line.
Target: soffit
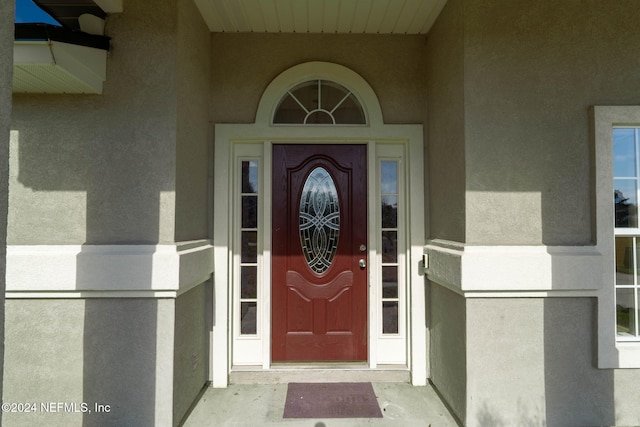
[(321, 16)]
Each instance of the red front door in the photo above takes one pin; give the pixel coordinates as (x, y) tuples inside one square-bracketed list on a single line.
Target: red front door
[(319, 242)]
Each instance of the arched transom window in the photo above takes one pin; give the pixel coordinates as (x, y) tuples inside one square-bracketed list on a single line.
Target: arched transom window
[(319, 102)]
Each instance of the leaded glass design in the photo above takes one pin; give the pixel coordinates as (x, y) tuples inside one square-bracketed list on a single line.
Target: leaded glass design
[(319, 102), (319, 220)]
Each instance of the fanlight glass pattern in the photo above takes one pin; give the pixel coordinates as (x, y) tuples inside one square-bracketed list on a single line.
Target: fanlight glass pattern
[(319, 220), (319, 102)]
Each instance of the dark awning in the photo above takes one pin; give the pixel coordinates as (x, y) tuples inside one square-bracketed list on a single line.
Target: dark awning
[(51, 32), (67, 12)]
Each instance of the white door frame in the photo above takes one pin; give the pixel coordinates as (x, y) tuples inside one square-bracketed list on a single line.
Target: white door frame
[(382, 141)]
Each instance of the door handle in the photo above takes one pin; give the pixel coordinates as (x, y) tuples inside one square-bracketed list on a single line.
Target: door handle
[(362, 263)]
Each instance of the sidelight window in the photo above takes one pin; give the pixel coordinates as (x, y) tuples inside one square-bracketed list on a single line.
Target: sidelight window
[(249, 248), (389, 237)]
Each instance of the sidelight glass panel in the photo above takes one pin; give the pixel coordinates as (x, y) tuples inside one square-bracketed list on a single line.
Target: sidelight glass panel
[(389, 211), (248, 282), (389, 282), (248, 318), (249, 246), (247, 214), (250, 176), (389, 177), (249, 211), (389, 197), (319, 220), (389, 246), (390, 317)]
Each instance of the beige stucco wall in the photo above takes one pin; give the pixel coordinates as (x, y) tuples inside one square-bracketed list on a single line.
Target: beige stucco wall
[(117, 352), (531, 361), (531, 70), (244, 64), (191, 354), (194, 134), (101, 169), (445, 134), (125, 167), (6, 73), (515, 87), (447, 355)]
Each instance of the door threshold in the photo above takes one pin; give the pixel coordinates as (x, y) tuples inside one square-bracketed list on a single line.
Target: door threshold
[(319, 365), (279, 375)]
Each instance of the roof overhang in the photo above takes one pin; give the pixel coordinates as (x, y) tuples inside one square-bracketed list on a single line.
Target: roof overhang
[(321, 16), (57, 67), (49, 59), (68, 60)]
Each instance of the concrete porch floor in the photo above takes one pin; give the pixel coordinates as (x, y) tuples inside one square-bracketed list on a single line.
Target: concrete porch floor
[(263, 404)]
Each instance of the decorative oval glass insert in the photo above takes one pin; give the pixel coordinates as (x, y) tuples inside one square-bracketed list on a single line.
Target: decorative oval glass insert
[(319, 220)]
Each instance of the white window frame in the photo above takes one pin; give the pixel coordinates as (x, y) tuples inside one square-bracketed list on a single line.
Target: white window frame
[(612, 352), (245, 346), (389, 345)]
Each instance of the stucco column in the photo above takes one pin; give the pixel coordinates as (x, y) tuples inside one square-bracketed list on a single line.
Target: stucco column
[(6, 74)]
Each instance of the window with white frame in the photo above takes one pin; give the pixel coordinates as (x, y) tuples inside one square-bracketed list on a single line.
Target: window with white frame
[(389, 237), (626, 176), (319, 102), (248, 301)]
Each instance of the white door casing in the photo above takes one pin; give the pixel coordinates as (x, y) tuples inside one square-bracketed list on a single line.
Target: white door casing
[(235, 143)]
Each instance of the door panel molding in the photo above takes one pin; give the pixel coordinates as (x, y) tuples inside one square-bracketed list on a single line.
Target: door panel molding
[(305, 302)]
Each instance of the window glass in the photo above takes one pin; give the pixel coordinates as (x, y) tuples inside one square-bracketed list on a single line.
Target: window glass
[(319, 220), (389, 195), (626, 203), (624, 261), (624, 153), (250, 177), (247, 304), (319, 102), (248, 318), (625, 195)]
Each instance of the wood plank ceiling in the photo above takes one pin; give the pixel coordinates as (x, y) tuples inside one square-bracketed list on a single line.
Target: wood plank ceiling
[(321, 16)]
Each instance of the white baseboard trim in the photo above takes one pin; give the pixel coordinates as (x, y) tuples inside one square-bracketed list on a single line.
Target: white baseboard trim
[(107, 271)]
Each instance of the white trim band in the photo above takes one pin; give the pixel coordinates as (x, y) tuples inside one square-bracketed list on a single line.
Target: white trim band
[(508, 271), (90, 271)]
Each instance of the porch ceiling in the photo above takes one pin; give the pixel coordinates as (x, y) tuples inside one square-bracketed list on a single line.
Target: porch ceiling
[(321, 16)]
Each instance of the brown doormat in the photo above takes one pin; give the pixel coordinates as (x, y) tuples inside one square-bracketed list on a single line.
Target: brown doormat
[(331, 400)]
